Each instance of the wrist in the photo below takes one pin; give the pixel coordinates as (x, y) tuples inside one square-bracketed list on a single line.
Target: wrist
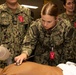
[(25, 52)]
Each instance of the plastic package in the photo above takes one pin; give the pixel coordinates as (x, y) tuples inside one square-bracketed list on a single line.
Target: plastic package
[(4, 53)]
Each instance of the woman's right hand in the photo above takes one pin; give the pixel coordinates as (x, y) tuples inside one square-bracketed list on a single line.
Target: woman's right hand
[(19, 59)]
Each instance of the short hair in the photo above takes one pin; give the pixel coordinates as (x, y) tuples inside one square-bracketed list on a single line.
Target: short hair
[(50, 8)]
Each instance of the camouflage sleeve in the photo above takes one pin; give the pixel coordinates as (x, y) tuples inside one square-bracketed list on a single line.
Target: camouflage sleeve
[(69, 34), (28, 11), (29, 15), (30, 39)]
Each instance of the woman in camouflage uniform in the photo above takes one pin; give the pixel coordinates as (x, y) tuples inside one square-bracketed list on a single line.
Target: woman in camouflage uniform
[(48, 38), (69, 14), (14, 21)]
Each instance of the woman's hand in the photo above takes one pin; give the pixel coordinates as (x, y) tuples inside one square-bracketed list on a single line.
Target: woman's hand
[(19, 59)]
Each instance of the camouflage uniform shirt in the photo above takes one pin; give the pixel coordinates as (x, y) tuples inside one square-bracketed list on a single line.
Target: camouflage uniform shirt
[(72, 20), (13, 27), (42, 41)]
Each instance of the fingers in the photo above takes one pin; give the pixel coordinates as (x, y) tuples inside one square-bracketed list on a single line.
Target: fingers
[(19, 59)]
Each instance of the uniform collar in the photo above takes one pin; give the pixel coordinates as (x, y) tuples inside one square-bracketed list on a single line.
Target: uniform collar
[(49, 30), (68, 16)]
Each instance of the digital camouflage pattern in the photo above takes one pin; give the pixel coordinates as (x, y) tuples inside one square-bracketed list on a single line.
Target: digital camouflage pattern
[(13, 28), (41, 41), (71, 19)]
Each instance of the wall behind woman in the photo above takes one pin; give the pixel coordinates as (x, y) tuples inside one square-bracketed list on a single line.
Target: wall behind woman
[(2, 1)]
